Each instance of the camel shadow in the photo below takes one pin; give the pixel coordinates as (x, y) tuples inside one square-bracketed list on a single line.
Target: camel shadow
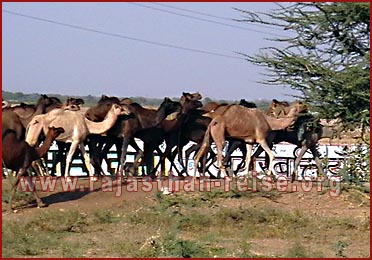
[(64, 196), (56, 198)]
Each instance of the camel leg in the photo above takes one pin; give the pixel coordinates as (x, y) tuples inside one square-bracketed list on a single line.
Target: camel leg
[(188, 152), (95, 149), (315, 153), (233, 145), (256, 154), (199, 154), (243, 148), (248, 157), (86, 159), (267, 149), (21, 173), (297, 162), (69, 156), (217, 133), (123, 155)]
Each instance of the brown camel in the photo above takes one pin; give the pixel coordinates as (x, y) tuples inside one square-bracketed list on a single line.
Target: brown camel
[(197, 123), (124, 131), (18, 155), (77, 128), (248, 124), (18, 117), (305, 133), (278, 108), (73, 104), (168, 131), (43, 105), (10, 120)]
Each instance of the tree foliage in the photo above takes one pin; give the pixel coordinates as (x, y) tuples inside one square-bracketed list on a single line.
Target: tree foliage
[(326, 56)]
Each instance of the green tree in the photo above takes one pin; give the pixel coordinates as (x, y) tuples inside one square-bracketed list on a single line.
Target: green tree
[(326, 56)]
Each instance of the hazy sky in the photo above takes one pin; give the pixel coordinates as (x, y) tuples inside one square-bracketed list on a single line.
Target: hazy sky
[(42, 57)]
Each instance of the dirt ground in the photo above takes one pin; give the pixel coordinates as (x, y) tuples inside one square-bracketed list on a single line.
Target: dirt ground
[(214, 223)]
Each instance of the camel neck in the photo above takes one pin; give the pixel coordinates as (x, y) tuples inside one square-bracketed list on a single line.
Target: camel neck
[(44, 148), (101, 127), (152, 118)]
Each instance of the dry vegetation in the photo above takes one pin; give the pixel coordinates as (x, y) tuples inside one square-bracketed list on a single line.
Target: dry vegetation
[(194, 224)]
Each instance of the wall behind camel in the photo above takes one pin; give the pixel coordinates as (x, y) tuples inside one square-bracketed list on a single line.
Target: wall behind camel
[(285, 155)]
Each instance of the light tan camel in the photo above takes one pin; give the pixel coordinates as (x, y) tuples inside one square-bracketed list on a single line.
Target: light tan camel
[(248, 124), (77, 128)]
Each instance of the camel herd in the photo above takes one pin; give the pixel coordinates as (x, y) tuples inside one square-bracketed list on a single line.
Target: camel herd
[(113, 121)]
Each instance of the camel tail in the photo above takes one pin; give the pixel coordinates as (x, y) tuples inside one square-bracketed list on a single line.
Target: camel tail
[(204, 147)]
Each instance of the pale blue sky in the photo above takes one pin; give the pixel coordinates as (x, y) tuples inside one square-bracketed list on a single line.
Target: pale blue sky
[(41, 57)]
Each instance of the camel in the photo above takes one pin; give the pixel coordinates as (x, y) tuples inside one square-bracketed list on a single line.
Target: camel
[(211, 106), (10, 120), (73, 104), (124, 131), (94, 142), (77, 128), (278, 108), (18, 117), (18, 155), (248, 124), (189, 97), (194, 130), (305, 133), (43, 105), (168, 131)]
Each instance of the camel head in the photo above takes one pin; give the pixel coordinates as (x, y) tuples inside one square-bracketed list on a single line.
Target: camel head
[(120, 110), (74, 101), (55, 131), (170, 106), (191, 105), (300, 107), (282, 108), (126, 101), (277, 108), (186, 97), (245, 103), (98, 112), (192, 96), (111, 100), (49, 101)]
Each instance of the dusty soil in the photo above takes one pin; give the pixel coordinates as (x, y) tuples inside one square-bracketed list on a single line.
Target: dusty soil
[(294, 224)]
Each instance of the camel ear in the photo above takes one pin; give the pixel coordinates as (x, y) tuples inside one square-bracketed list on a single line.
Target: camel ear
[(275, 101), (44, 96)]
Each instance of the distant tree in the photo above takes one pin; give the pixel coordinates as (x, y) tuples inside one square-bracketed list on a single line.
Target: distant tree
[(326, 56)]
